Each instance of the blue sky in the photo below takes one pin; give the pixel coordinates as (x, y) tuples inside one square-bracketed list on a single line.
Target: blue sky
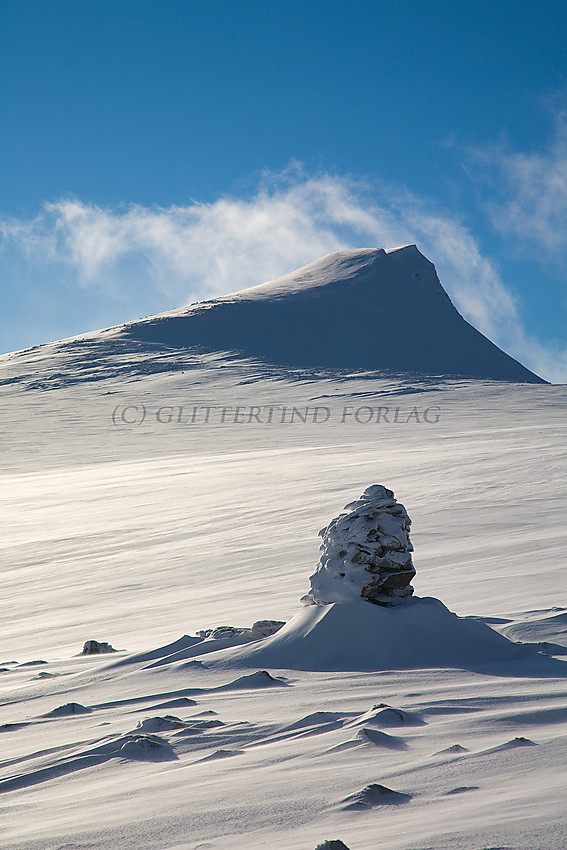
[(158, 153)]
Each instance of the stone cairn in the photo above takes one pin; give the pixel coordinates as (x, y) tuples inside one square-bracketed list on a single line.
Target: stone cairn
[(366, 552)]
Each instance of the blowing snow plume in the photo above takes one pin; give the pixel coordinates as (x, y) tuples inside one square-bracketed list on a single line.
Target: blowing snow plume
[(358, 310)]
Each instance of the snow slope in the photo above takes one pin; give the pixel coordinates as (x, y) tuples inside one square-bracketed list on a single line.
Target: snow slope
[(128, 517), (363, 309)]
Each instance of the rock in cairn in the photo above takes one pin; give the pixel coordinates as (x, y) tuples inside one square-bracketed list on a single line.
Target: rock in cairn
[(366, 552)]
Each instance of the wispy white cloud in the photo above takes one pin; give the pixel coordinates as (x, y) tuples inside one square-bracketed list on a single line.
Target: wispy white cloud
[(200, 250), (528, 191)]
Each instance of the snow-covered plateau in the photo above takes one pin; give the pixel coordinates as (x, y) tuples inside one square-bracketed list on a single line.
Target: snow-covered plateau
[(162, 494)]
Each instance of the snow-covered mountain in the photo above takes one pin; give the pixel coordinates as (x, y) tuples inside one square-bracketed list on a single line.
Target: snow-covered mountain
[(363, 309), (154, 494)]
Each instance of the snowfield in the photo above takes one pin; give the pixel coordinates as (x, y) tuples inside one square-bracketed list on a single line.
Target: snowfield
[(133, 516)]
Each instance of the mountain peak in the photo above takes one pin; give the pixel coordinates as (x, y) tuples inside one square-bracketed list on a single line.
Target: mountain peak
[(368, 264), (363, 309)]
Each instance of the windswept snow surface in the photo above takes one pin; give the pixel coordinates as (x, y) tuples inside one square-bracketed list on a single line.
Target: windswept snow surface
[(149, 493)]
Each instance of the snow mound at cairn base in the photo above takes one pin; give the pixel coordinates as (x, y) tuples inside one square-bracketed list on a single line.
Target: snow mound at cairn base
[(422, 633)]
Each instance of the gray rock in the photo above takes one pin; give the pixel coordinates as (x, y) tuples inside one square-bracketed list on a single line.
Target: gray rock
[(334, 844), (96, 647), (265, 628)]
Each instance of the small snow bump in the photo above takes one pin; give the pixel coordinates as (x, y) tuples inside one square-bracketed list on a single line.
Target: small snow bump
[(454, 748), (221, 754), (68, 710), (381, 715), (160, 724), (180, 702), (375, 795), (462, 789), (260, 679), (381, 739), (146, 748)]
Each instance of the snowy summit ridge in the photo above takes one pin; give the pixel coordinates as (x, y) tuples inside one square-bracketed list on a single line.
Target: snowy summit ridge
[(365, 309), (366, 553)]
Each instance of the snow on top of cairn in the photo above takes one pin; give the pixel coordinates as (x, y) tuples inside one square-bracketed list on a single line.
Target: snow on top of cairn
[(365, 553)]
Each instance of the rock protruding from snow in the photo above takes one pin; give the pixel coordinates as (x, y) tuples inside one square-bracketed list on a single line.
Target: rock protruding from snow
[(366, 552), (260, 629), (334, 844), (265, 628), (97, 647)]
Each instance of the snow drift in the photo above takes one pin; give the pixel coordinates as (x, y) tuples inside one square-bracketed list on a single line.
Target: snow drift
[(422, 633), (362, 309)]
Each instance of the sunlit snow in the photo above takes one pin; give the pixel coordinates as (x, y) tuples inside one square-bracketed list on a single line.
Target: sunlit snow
[(184, 539)]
